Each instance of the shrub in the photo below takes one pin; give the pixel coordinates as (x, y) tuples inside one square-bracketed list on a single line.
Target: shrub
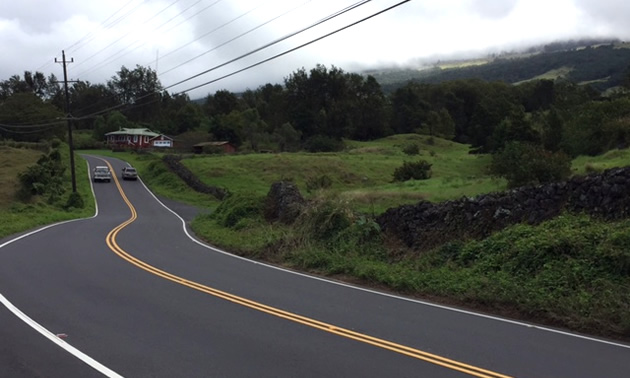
[(420, 170), (45, 177), (323, 143), (325, 219), (411, 149), (316, 183), (75, 201), (237, 207), (525, 163)]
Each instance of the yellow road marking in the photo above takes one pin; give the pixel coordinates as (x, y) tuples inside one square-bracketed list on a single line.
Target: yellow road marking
[(398, 348)]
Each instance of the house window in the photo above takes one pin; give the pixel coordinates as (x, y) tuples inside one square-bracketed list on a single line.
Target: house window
[(135, 139), (146, 139)]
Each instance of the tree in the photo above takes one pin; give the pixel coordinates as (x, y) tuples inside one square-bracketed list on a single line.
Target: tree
[(87, 99), (287, 138), (25, 110), (139, 90), (525, 163), (369, 109), (222, 103), (188, 118)]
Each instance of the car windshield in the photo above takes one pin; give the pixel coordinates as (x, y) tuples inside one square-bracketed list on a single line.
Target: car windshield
[(131, 170), (101, 169)]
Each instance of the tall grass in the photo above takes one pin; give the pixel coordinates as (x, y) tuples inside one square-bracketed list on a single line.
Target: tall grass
[(18, 216)]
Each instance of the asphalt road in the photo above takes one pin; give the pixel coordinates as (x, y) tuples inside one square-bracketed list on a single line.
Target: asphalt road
[(131, 294)]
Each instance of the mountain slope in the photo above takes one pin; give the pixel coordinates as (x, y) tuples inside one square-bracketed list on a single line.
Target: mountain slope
[(601, 66)]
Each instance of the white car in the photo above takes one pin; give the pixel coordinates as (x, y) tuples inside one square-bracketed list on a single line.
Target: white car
[(101, 173), (129, 173)]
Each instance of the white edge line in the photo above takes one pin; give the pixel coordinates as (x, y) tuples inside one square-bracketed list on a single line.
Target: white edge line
[(52, 337), (38, 327), (454, 309)]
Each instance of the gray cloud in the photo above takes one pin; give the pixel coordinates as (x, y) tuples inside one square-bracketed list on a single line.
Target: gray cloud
[(33, 33), (493, 8)]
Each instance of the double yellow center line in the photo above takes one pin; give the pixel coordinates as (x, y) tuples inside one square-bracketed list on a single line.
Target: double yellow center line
[(394, 347)]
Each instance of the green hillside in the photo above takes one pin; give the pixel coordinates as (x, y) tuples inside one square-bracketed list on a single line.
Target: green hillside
[(603, 66)]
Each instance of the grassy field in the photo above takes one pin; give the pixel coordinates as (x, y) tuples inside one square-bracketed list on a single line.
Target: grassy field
[(362, 174)]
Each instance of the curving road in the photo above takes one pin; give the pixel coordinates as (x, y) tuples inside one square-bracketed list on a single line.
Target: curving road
[(130, 293)]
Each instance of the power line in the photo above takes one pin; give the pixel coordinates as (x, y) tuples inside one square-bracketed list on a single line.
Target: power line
[(130, 47), (210, 32), (325, 19), (252, 65), (293, 49), (231, 40), (91, 35), (124, 36)]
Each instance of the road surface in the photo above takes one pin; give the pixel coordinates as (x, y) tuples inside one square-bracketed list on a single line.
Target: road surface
[(130, 293)]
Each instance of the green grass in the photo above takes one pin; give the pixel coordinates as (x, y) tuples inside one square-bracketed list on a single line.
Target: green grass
[(14, 161), (592, 164), (362, 174), (17, 216)]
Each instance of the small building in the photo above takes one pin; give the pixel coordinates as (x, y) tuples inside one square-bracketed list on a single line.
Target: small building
[(226, 147), (137, 139)]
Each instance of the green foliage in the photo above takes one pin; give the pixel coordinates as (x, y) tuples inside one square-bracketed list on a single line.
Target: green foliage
[(236, 208), (420, 170), (411, 149), (75, 200), (524, 163), (318, 183), (287, 138), (46, 177), (83, 140), (596, 127), (325, 219), (323, 143)]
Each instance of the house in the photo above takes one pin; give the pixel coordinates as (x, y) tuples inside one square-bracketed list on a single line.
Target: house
[(224, 146), (137, 139)]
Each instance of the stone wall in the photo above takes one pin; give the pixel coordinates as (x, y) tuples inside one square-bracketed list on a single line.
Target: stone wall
[(174, 164), (427, 225)]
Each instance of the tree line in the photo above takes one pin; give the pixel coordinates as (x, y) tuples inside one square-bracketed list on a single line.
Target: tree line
[(316, 110)]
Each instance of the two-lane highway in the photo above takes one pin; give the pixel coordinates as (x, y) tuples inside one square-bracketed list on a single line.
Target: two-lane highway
[(137, 295)]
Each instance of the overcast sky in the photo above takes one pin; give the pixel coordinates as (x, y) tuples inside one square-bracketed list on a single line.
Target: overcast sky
[(182, 38)]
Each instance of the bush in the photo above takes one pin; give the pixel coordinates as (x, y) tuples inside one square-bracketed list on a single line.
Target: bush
[(524, 163), (45, 177), (75, 201), (325, 219), (411, 149), (237, 207), (316, 183), (420, 170), (323, 143)]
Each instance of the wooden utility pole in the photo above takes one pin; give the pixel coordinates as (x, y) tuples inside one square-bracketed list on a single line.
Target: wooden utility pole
[(68, 117)]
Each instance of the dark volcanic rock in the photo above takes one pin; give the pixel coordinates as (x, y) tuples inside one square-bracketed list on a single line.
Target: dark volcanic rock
[(284, 202), (427, 225)]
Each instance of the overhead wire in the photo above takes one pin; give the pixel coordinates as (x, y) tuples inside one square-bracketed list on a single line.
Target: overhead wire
[(92, 34), (293, 49), (235, 38), (130, 47), (248, 54), (212, 31), (319, 22), (325, 19), (255, 64), (83, 61)]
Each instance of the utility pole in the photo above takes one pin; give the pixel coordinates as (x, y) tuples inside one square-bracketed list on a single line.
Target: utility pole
[(68, 117)]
